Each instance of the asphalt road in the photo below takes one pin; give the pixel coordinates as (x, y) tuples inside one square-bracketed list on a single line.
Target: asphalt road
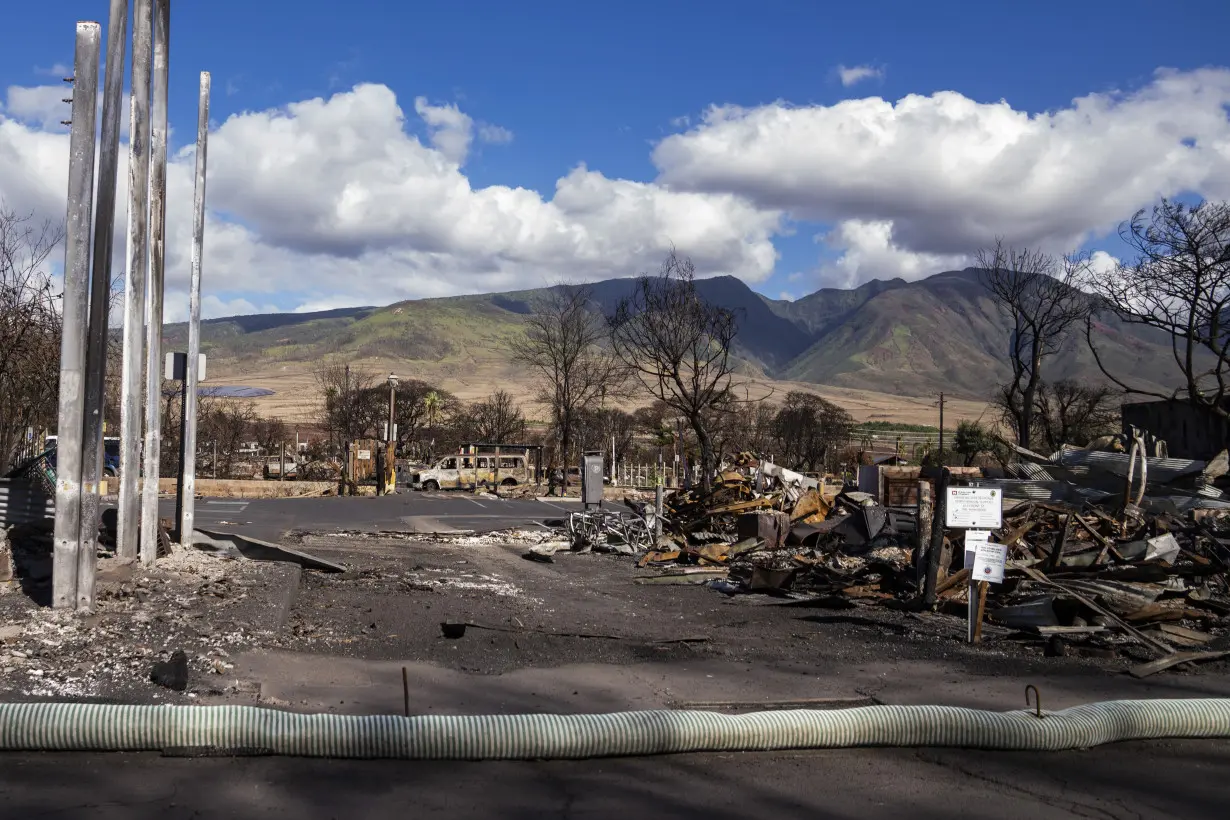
[(1138, 781), (270, 519), (377, 618)]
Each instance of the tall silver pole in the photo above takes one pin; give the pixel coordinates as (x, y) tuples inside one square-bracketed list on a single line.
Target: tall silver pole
[(76, 307), (187, 453), (134, 282), (100, 301), (154, 285)]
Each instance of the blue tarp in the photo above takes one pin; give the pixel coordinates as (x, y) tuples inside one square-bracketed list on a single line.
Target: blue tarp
[(233, 392)]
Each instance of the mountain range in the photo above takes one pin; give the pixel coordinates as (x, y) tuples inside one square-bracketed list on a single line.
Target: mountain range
[(942, 333)]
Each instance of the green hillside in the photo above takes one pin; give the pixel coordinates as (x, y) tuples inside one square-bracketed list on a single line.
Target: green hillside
[(904, 338)]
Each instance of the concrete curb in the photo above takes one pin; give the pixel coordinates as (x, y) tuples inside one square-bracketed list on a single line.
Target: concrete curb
[(258, 550)]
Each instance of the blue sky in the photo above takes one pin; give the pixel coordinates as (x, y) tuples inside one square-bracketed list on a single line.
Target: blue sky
[(603, 84)]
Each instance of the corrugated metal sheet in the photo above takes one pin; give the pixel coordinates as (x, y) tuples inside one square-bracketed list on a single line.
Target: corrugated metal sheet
[(1161, 470), (1030, 490), (21, 503)]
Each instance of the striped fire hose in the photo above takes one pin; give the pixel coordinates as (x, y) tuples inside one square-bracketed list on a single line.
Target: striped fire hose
[(256, 730)]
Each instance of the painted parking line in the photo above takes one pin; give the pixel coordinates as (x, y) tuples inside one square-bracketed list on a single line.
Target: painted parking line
[(556, 506)]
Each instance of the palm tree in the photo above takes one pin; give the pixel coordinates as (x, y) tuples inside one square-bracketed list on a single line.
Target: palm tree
[(431, 404)]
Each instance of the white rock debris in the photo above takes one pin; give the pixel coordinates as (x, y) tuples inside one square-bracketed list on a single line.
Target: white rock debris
[(191, 601)]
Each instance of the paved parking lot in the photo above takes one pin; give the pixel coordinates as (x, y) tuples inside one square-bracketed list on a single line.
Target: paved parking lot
[(270, 519)]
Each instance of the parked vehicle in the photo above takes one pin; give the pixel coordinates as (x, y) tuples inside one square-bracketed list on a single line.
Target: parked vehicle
[(273, 467), (111, 454), (461, 471)]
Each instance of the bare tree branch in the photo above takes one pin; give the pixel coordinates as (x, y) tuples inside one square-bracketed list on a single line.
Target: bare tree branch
[(1039, 294), (29, 329), (679, 346), (1178, 283), (563, 349)]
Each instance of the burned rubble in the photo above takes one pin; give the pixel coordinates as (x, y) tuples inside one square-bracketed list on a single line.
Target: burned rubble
[(1105, 560), (161, 632)]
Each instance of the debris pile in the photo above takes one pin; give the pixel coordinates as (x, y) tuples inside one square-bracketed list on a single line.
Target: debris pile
[(1101, 575), (1087, 582), (201, 605)]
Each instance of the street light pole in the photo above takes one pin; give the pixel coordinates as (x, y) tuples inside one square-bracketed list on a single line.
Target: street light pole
[(185, 518), (390, 447)]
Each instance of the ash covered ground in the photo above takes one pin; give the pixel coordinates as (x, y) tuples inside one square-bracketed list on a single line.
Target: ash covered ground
[(198, 603)]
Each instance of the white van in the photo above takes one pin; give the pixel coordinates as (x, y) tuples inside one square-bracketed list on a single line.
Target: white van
[(455, 472)]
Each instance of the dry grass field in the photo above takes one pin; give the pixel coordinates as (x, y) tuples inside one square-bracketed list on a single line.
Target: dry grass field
[(296, 398)]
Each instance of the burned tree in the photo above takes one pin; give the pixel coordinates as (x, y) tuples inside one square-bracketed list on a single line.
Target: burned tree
[(811, 431), (270, 434), (601, 427), (494, 420), (228, 424), (1038, 294), (29, 329), (563, 348), (1072, 412), (679, 346), (353, 404), (419, 409), (1179, 284)]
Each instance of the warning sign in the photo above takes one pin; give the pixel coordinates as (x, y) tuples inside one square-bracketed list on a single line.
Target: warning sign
[(989, 561), (979, 508), (364, 455)]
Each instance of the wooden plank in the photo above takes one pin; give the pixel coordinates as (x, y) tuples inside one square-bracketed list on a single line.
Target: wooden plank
[(1060, 541), (956, 579), (1186, 634), (1144, 670), (982, 605)]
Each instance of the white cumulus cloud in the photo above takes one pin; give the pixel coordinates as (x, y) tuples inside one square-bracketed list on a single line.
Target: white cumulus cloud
[(925, 181), (450, 130), (856, 74), (494, 134), (333, 202), (44, 107)]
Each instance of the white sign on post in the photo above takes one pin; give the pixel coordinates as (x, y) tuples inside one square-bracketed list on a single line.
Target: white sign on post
[(989, 561), (973, 540), (364, 455), (980, 508)]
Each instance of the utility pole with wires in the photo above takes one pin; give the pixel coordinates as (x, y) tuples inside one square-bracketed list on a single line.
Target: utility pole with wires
[(132, 372), (67, 545), (154, 283), (93, 470)]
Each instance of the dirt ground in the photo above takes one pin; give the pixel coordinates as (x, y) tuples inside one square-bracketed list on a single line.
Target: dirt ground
[(576, 634), (399, 590)]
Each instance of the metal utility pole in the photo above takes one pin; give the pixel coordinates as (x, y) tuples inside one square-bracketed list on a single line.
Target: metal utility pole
[(67, 536), (154, 285), (390, 447), (134, 283), (186, 517), (941, 428), (100, 301)]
